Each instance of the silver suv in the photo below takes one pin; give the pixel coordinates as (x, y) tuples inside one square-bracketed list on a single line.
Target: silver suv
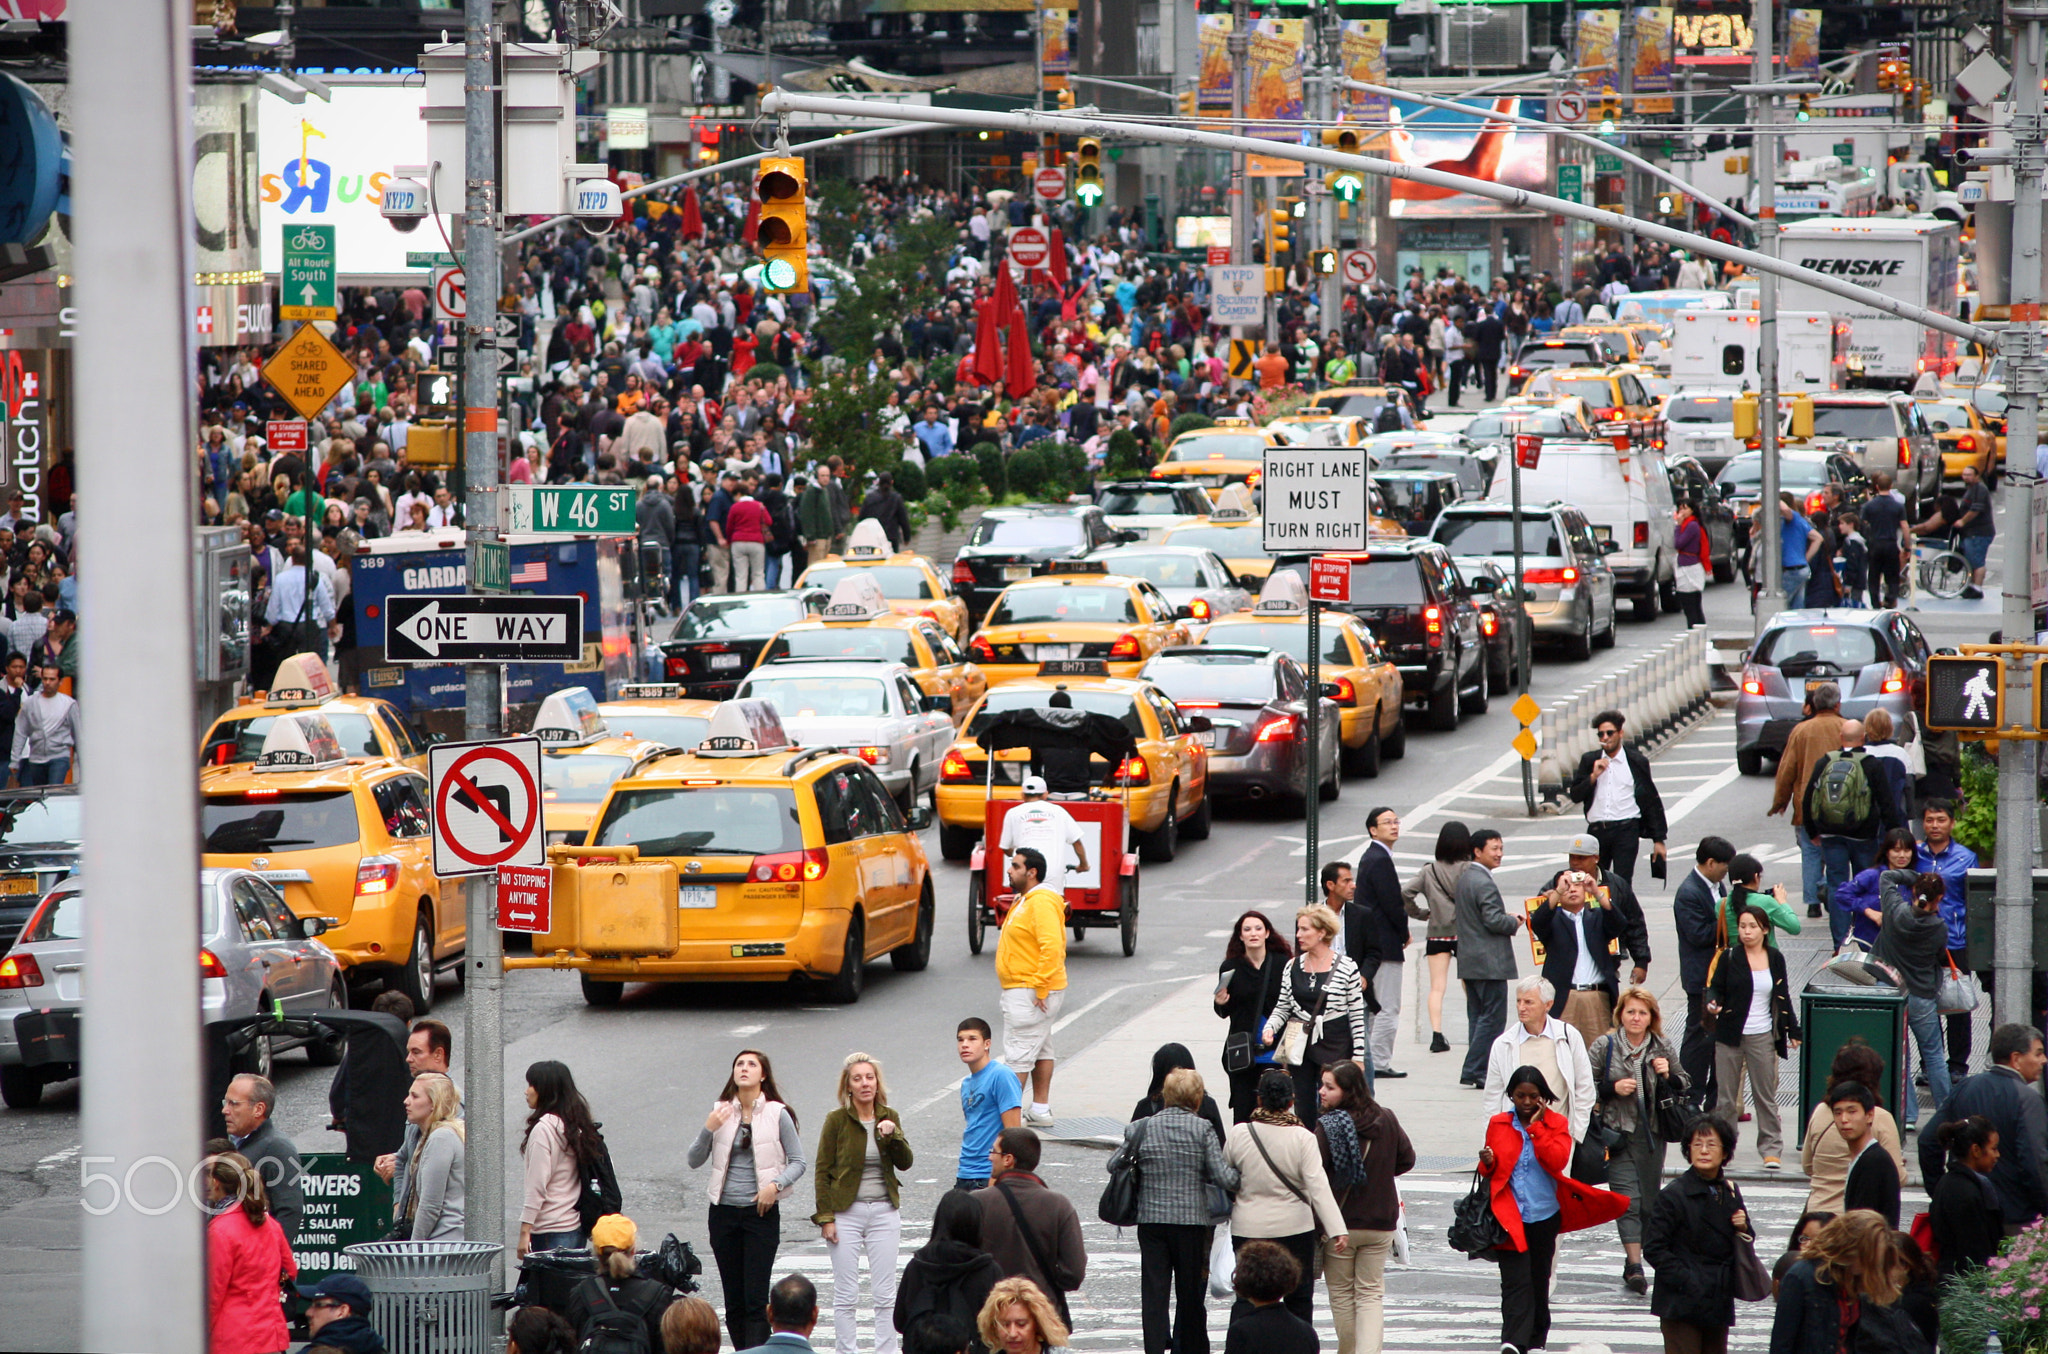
[(1883, 431), (1564, 566)]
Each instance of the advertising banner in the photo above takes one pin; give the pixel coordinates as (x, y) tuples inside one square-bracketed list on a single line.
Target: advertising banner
[(327, 164), (1214, 37), (1598, 43), (1653, 59), (1465, 143), (1055, 53), (1363, 47), (1802, 48), (1273, 102)]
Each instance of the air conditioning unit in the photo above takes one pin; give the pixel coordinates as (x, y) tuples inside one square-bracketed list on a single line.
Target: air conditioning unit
[(1482, 37)]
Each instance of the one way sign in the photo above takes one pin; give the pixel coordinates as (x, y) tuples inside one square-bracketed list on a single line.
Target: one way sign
[(447, 628)]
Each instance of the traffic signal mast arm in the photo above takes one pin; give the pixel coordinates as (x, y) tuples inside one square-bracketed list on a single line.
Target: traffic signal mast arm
[(780, 103)]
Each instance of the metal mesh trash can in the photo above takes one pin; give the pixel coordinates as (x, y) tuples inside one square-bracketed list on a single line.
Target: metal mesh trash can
[(1835, 1008), (431, 1297)]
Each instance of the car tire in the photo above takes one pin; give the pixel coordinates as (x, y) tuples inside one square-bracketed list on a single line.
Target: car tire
[(1443, 707), (21, 1088), (917, 955), (1667, 597), (1604, 639), (1201, 821), (327, 1052), (977, 926), (416, 978), (1579, 647), (1749, 761), (1365, 760), (844, 987), (598, 992), (957, 843), (259, 1059), (1646, 606), (908, 799), (1724, 569), (1127, 909), (1396, 744), (1476, 703), (1162, 843), (1332, 785)]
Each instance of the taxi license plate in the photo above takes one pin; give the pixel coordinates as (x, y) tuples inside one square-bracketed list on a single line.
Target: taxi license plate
[(19, 884), (1041, 652), (697, 895), (722, 661), (1208, 737), (1013, 572), (1813, 682)]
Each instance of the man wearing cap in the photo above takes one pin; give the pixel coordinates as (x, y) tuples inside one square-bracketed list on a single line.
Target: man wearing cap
[(1044, 825), (339, 1317), (1031, 968)]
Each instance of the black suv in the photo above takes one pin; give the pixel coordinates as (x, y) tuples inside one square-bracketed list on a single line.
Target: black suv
[(1411, 594), (1012, 543), (721, 634)]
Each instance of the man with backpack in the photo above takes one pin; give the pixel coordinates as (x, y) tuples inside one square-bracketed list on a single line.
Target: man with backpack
[(1850, 803), (617, 1310)]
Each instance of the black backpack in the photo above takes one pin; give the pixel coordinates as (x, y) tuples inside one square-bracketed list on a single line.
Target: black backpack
[(600, 1196), (610, 1328)]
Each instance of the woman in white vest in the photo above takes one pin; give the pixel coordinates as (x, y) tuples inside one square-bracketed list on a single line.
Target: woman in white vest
[(751, 1141)]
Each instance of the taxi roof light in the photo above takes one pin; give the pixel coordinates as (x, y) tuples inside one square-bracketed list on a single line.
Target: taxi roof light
[(744, 728), (867, 541), (302, 742), (856, 597), (1283, 594), (569, 718), (301, 680)]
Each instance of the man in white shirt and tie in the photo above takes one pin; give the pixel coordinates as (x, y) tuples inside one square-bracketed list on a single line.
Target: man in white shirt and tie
[(1695, 908)]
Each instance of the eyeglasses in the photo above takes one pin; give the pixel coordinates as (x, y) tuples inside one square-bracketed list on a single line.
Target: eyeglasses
[(320, 1303), (1608, 733)]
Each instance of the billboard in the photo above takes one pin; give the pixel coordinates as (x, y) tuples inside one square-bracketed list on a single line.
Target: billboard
[(327, 163), (1363, 47), (1653, 63), (1273, 104), (1599, 49), (1802, 56), (1465, 143), (1214, 38)]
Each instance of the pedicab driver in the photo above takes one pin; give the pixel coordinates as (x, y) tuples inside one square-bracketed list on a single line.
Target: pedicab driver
[(1045, 826)]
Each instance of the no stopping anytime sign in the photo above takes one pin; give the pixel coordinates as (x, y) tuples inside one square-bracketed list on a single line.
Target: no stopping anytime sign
[(487, 806)]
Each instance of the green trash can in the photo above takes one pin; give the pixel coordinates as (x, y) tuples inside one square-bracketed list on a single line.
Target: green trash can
[(1833, 1009)]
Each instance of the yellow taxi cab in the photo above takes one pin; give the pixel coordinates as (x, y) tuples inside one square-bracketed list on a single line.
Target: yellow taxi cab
[(1081, 612), (1618, 342), (366, 726), (1369, 695), (346, 839), (1232, 531), (1232, 452), (580, 757), (1964, 437), (1365, 402), (790, 863), (1166, 785), (658, 711), (1317, 428), (912, 584), (857, 625), (1609, 395)]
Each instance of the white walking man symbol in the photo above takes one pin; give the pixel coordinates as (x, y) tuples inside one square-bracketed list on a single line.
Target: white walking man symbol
[(1979, 691)]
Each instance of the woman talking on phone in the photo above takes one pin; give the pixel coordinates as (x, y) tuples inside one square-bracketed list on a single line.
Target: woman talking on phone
[(1754, 1026)]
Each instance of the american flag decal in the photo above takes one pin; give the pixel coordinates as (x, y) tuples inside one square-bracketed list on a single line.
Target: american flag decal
[(534, 571)]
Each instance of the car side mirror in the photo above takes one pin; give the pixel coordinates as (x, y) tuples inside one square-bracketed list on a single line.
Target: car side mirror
[(1330, 689), (1610, 547), (919, 818), (939, 704), (1948, 652), (1200, 724), (1127, 537), (1183, 613), (312, 928)]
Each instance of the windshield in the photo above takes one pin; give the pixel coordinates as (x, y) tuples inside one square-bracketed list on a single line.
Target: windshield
[(899, 582), (260, 824), (1747, 472), (678, 731), (579, 777), (843, 641), (702, 821), (1410, 497), (1816, 650), (737, 617), (1115, 704), (1701, 409), (1495, 535), (1596, 393), (1229, 542), (1223, 677), (1500, 427), (1947, 415), (1143, 503), (1219, 447), (1854, 420), (1028, 533), (819, 697), (1280, 637), (1322, 433), (52, 818), (1577, 353), (1378, 582), (1021, 605), (1168, 571), (241, 740)]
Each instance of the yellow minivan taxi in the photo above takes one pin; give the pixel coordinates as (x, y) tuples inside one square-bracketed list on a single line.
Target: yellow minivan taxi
[(366, 726), (1081, 613), (911, 583), (347, 839), (792, 864)]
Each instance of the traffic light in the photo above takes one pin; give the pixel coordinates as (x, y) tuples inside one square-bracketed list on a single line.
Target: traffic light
[(784, 235), (1276, 234), (1341, 138), (1966, 695), (1188, 106), (1610, 113), (1276, 281), (1088, 171), (1066, 98), (1805, 113), (1347, 186), (1893, 74), (1323, 262), (1671, 204)]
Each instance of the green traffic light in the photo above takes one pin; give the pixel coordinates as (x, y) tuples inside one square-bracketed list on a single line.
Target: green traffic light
[(1089, 193), (1347, 187), (781, 273)]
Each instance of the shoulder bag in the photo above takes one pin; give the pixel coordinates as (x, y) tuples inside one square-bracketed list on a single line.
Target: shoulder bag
[(1240, 1050), (1670, 1115), (1956, 991), (1752, 1282), (1119, 1203), (1474, 1228), (1062, 1281), (1252, 1130), (600, 1194)]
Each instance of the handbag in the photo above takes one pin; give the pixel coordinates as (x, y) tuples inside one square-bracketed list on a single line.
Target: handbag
[(1589, 1158), (1474, 1229), (1670, 1115), (1956, 991), (1222, 1264), (1119, 1203), (1752, 1282)]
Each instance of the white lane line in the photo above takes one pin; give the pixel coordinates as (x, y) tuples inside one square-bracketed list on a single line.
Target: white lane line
[(1235, 866), (1703, 793)]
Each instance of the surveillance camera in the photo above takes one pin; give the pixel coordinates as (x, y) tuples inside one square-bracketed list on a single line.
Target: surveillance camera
[(597, 206), (405, 204)]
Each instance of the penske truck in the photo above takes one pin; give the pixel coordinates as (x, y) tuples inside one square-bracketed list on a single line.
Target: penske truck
[(1910, 258)]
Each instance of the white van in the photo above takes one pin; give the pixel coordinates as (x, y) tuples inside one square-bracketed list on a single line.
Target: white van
[(1626, 497)]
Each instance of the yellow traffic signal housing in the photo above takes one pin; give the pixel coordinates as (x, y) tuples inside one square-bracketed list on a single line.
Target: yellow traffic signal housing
[(1323, 262), (1088, 186), (1797, 427), (1671, 204), (1277, 232), (1276, 281), (1735, 164), (1347, 185), (1341, 138), (784, 236), (1610, 112), (1188, 105), (1066, 98)]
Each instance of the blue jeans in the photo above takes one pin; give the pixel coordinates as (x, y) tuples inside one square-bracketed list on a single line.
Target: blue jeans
[(44, 773), (1841, 858), (774, 569), (1975, 549), (682, 574), (549, 1241), (1925, 1022), (1793, 586), (1811, 867)]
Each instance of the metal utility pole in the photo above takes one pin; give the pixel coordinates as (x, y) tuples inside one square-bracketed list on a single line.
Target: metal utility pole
[(2026, 375), (143, 1120), (483, 1008), (1330, 300), (1625, 54), (1763, 161), (1240, 49)]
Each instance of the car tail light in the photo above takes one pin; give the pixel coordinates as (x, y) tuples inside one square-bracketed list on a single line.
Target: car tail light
[(1158, 473), (1816, 502), (982, 649), (955, 770), (1894, 682), (1608, 413), (1278, 729), (1489, 624), (788, 867), (1967, 442), (21, 970), (1347, 694), (1199, 609), (1133, 771), (376, 875), (1752, 682), (928, 613), (1752, 443), (963, 574), (675, 665), (1553, 577), (1251, 481), (1126, 647), (209, 967), (1515, 372), (873, 756), (1433, 625), (1642, 533), (1905, 452)]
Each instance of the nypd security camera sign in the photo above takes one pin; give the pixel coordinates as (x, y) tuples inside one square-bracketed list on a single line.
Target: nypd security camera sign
[(1315, 499)]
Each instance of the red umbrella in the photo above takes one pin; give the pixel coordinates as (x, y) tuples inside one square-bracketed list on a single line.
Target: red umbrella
[(753, 225), (1020, 375), (1006, 295), (1056, 257), (693, 215), (985, 367)]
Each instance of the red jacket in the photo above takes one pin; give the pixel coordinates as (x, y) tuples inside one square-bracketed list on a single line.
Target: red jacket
[(243, 1266), (1579, 1205), (747, 520)]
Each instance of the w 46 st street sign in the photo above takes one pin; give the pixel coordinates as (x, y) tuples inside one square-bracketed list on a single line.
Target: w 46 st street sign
[(570, 510)]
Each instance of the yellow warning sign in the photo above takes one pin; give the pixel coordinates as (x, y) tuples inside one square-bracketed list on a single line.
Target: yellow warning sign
[(1526, 710), (1244, 352), (1525, 744), (309, 371)]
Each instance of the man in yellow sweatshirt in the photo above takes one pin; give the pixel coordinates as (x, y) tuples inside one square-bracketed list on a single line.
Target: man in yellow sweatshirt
[(1031, 966)]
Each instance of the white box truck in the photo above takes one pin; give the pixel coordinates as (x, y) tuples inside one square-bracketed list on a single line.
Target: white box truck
[(1909, 258), (1718, 348)]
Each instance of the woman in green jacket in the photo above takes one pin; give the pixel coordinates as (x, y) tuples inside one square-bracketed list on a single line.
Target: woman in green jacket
[(860, 1149)]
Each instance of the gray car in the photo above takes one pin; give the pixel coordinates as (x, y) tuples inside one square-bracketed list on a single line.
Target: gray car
[(1877, 658), (1570, 588), (1188, 575), (252, 952), (1256, 701)]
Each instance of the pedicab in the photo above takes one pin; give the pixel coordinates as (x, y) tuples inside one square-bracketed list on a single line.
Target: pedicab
[(1106, 893)]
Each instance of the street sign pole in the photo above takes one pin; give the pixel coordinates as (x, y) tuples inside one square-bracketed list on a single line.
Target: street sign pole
[(1312, 801), (1521, 640)]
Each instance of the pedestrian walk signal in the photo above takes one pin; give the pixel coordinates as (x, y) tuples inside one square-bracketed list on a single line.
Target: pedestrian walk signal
[(1323, 262), (1965, 695)]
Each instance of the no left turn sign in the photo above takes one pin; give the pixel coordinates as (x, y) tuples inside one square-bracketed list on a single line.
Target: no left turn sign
[(1360, 267), (450, 299), (487, 806), (1568, 106)]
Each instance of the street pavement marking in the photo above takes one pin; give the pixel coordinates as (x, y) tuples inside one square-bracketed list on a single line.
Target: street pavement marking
[(1703, 793)]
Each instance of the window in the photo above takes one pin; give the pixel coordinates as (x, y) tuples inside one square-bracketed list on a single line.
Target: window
[(1733, 359), (1029, 533), (1164, 501), (282, 919), (1063, 603), (400, 733), (873, 812), (1820, 650), (1495, 535), (833, 793), (678, 731), (256, 923), (910, 694), (242, 740), (1173, 570), (702, 821), (62, 917), (578, 777), (1213, 677), (820, 697), (741, 617), (1854, 420), (942, 644), (1218, 447), (899, 582), (844, 641), (262, 824)]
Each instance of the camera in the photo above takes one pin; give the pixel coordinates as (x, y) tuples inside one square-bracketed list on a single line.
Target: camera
[(404, 204), (597, 205)]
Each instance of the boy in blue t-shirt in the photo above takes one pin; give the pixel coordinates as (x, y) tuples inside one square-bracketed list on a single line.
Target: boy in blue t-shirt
[(991, 1099)]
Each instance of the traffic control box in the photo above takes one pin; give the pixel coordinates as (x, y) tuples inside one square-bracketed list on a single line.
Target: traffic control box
[(608, 901)]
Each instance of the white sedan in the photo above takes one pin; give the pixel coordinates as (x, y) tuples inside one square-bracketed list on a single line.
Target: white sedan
[(873, 710)]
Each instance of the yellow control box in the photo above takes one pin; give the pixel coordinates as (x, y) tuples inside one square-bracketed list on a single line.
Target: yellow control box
[(607, 901)]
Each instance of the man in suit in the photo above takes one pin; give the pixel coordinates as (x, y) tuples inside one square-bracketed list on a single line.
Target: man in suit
[(1574, 925), (1377, 906), (1621, 800), (2008, 1096), (1486, 954), (1359, 939), (246, 1110), (1627, 925), (792, 1316), (1696, 909)]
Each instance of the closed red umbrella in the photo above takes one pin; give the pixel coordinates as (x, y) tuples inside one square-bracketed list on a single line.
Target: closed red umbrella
[(1020, 375), (1056, 258), (693, 215), (985, 366), (1006, 295)]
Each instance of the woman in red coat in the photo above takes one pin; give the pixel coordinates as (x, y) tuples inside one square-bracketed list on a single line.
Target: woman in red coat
[(1527, 1152), (247, 1255)]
